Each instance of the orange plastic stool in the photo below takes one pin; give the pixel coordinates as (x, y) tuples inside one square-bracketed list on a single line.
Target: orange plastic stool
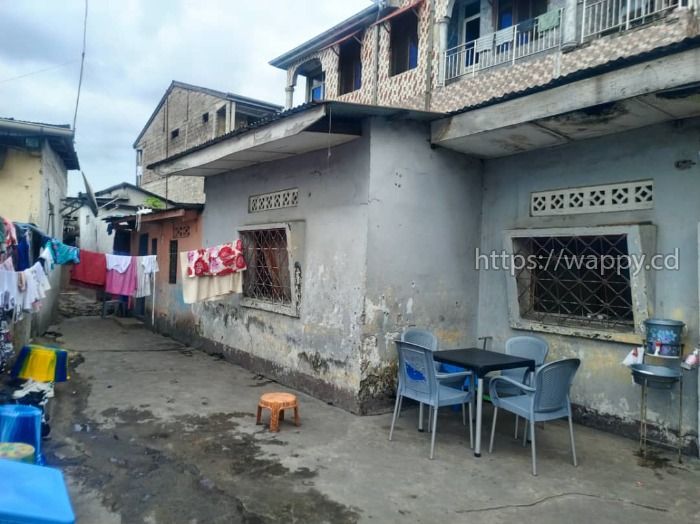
[(277, 403)]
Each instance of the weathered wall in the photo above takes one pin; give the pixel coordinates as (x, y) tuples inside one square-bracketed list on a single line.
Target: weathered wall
[(20, 186), (173, 316), (183, 189), (54, 185), (603, 385), (424, 220), (317, 352)]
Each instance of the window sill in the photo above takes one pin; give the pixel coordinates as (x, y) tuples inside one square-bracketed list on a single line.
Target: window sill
[(281, 309), (611, 335)]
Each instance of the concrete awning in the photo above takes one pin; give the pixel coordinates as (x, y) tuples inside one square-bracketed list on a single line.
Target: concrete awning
[(644, 94), (285, 137), (307, 128)]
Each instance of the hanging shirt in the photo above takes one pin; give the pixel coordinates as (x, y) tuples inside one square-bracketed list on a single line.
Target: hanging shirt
[(47, 256), (220, 260), (146, 268), (119, 263), (23, 251), (122, 283), (92, 269), (36, 285), (207, 287)]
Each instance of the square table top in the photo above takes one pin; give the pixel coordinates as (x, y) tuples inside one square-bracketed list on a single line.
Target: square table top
[(482, 361)]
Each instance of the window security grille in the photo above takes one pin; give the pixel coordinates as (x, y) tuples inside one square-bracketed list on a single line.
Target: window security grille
[(275, 200), (267, 278), (172, 262), (627, 196), (567, 284)]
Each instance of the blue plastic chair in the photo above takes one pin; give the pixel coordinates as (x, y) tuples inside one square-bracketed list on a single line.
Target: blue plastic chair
[(546, 399), (427, 339), (419, 381), (525, 346)]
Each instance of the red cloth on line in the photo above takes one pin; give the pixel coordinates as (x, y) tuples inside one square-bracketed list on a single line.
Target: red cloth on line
[(92, 269)]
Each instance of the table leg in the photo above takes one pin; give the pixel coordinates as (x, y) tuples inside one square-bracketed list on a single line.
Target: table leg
[(420, 416), (479, 406)]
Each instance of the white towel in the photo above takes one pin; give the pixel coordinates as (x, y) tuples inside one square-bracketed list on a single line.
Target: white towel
[(207, 288), (118, 263)]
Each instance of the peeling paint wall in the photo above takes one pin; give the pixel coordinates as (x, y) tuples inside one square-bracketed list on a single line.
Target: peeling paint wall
[(603, 385), (424, 221), (318, 350)]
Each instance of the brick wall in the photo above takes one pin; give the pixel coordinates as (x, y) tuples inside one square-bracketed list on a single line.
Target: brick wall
[(188, 189), (182, 110)]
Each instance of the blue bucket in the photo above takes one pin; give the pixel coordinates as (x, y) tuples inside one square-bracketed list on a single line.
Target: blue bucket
[(667, 332)]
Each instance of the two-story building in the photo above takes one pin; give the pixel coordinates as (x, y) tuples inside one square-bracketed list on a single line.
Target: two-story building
[(187, 116), (438, 133)]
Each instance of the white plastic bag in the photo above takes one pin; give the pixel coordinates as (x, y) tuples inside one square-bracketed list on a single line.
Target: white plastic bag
[(636, 356)]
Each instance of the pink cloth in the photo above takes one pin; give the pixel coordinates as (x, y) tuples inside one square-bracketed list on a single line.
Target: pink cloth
[(122, 283), (221, 260)]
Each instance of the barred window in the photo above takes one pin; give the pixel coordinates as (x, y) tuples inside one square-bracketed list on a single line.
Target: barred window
[(267, 278), (578, 281)]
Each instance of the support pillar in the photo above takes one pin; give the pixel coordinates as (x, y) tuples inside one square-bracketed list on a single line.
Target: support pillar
[(569, 32), (443, 25), (289, 91)]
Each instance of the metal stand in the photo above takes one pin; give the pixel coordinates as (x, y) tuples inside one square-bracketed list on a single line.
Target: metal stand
[(644, 439)]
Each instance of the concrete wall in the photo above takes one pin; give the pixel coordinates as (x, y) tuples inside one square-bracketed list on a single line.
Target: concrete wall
[(20, 186), (424, 220), (318, 350), (603, 386), (54, 185)]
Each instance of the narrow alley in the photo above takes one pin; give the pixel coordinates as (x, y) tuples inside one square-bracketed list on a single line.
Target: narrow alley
[(149, 430)]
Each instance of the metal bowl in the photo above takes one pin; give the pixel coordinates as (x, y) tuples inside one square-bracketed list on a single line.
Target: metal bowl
[(656, 377)]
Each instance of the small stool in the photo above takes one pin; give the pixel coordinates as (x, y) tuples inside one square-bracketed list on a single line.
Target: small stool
[(277, 403)]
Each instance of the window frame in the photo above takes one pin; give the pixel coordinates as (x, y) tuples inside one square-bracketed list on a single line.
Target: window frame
[(174, 134), (350, 65), (641, 239), (403, 42), (295, 235)]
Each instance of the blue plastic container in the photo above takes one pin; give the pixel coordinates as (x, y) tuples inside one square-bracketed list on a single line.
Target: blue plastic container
[(667, 332), (20, 423), (33, 495)]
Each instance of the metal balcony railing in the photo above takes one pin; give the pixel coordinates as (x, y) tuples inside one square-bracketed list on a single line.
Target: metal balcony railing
[(604, 16), (505, 46)]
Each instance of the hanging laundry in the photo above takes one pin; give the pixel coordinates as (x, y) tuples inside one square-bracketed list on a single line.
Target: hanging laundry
[(207, 287), (146, 268), (23, 261), (92, 269), (118, 263), (62, 253), (6, 348), (224, 259), (9, 289), (47, 256), (34, 288), (121, 283)]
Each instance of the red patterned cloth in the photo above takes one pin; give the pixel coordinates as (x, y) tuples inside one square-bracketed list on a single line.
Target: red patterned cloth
[(217, 261)]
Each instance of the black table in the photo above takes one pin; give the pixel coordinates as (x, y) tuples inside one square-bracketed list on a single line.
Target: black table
[(481, 362)]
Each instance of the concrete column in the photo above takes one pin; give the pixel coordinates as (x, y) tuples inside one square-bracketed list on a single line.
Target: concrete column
[(289, 91), (443, 25), (569, 33)]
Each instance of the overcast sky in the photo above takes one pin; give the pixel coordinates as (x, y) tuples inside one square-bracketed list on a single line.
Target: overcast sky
[(134, 49)]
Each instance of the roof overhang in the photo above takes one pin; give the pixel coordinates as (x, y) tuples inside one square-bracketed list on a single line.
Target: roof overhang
[(643, 94), (298, 133), (59, 137)]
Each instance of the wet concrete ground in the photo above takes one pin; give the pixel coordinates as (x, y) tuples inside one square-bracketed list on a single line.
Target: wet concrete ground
[(148, 430)]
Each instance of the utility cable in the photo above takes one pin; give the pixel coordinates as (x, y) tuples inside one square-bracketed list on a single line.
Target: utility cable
[(82, 65)]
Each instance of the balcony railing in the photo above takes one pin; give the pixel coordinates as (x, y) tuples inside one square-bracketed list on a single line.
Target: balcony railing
[(505, 46), (604, 16)]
